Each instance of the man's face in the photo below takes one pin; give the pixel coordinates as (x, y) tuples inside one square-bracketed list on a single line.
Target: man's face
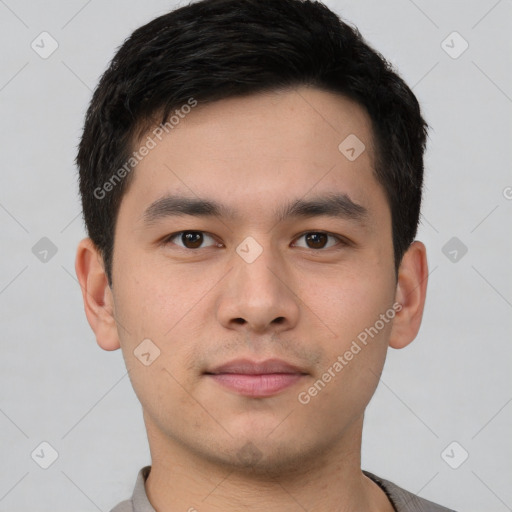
[(254, 286)]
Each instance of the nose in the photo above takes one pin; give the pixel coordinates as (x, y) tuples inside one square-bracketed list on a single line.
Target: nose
[(259, 296)]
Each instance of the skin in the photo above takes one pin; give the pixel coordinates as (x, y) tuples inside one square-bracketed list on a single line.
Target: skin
[(213, 449)]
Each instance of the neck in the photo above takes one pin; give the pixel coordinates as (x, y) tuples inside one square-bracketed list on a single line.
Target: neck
[(332, 481)]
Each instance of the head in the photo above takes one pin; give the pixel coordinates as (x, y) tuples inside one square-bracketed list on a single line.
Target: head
[(291, 155)]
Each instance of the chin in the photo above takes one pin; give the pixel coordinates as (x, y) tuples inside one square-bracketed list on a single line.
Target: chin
[(257, 453)]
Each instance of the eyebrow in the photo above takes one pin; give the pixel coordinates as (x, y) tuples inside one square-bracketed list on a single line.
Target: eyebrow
[(330, 205)]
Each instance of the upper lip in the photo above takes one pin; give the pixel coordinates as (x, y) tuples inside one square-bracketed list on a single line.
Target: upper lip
[(248, 367)]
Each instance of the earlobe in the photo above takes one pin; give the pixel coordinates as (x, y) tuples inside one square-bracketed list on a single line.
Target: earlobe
[(96, 294), (410, 294)]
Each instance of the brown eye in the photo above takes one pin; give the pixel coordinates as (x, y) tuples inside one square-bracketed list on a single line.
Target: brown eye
[(190, 239), (318, 240)]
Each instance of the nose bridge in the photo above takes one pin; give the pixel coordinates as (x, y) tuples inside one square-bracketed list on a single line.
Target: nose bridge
[(257, 295), (256, 266)]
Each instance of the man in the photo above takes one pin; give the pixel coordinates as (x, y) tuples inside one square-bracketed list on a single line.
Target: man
[(251, 175)]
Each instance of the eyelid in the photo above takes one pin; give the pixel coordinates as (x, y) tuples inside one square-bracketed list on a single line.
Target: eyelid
[(342, 241), (167, 239)]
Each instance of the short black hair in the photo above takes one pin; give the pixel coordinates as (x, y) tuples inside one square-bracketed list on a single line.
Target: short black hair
[(215, 49)]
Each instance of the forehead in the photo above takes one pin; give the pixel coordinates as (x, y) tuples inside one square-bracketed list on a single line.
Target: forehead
[(254, 151)]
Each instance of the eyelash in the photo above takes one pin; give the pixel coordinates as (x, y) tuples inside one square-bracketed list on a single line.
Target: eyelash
[(341, 240)]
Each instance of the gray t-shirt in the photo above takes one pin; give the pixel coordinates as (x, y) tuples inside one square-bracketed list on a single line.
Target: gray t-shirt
[(402, 500)]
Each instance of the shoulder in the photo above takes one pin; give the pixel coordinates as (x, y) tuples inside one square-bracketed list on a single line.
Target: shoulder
[(405, 501), (124, 506), (139, 501)]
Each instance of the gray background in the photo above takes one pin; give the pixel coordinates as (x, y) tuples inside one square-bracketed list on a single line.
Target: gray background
[(451, 384)]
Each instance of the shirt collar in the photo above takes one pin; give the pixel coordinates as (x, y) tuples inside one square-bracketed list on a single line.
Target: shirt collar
[(400, 499)]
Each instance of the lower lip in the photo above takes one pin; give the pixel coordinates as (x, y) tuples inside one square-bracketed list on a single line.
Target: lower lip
[(256, 385)]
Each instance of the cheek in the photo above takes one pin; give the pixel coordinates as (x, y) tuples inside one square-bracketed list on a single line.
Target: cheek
[(347, 302), (148, 303), (355, 345), (352, 363), (161, 309)]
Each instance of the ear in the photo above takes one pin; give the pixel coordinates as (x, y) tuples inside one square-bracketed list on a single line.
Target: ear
[(411, 291), (97, 295)]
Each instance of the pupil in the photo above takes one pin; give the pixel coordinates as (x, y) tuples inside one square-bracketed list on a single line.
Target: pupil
[(192, 240), (317, 240)]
